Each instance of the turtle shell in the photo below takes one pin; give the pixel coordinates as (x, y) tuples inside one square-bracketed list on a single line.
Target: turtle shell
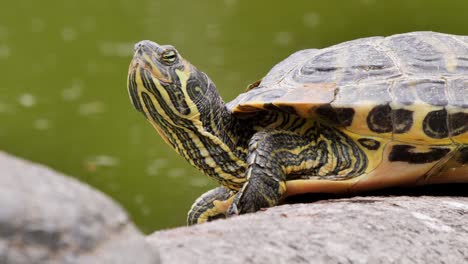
[(411, 87)]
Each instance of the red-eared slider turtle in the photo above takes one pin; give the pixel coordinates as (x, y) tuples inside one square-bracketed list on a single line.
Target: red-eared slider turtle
[(361, 115)]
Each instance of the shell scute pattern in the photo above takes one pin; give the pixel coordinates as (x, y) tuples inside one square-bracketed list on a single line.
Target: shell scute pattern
[(345, 65), (431, 91), (281, 69), (457, 91), (408, 87), (416, 54), (457, 109), (402, 92), (426, 53)]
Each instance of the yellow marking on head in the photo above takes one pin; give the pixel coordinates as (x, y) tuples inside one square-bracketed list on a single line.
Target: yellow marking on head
[(183, 78), (155, 69), (173, 139), (140, 89)]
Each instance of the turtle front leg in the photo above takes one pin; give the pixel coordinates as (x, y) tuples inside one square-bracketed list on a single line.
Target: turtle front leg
[(272, 156), (210, 206)]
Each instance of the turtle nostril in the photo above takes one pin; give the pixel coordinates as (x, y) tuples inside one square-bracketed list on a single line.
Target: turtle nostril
[(144, 43), (138, 46)]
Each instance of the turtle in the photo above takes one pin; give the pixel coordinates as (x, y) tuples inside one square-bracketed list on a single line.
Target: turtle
[(361, 115)]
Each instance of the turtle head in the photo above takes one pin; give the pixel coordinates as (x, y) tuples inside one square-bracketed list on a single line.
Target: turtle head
[(183, 105), (162, 84), (168, 90), (160, 77)]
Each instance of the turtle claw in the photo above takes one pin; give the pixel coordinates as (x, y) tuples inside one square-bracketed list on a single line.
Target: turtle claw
[(232, 210)]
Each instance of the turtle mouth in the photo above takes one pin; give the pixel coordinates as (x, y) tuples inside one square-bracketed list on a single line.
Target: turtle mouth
[(138, 63), (142, 57)]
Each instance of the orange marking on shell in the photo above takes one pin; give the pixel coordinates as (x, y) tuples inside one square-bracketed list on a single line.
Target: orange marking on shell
[(450, 174), (399, 173), (249, 108), (295, 187)]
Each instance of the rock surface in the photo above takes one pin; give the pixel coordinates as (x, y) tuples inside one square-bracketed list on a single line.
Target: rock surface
[(371, 229), (46, 217)]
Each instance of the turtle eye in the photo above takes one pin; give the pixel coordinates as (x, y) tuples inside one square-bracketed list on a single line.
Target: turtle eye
[(169, 56)]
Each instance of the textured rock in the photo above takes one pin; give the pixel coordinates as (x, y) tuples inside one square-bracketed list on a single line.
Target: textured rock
[(368, 229), (46, 217)]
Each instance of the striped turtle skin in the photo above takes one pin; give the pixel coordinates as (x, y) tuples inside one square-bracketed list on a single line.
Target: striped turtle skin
[(361, 115)]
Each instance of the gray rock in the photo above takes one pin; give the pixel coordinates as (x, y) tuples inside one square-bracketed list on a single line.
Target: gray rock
[(46, 217), (371, 229)]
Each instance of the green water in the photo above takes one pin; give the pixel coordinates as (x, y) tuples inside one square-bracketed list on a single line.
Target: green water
[(64, 65)]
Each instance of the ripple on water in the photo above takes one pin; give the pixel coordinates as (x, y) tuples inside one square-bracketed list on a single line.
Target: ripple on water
[(368, 2), (311, 19), (5, 51), (6, 108), (3, 32), (41, 124), (92, 163), (68, 34), (119, 49), (91, 108), (37, 25), (199, 181), (139, 199), (230, 3), (284, 38), (213, 31), (155, 166), (88, 24), (27, 100), (176, 172), (74, 91), (145, 210)]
